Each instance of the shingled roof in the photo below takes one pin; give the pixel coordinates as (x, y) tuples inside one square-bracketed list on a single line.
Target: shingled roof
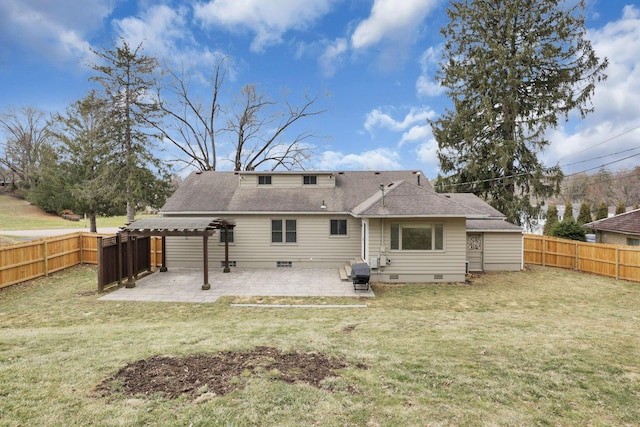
[(356, 192), (628, 223)]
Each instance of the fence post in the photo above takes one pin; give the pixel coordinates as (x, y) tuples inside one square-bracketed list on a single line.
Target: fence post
[(617, 263), (45, 256), (100, 264), (575, 261), (81, 236), (544, 248)]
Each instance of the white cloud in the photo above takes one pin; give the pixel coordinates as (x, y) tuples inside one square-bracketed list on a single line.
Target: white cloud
[(391, 20), (612, 128), (415, 119), (332, 56), (426, 84), (265, 19), (416, 134), (164, 33), (378, 159), (48, 29), (427, 154)]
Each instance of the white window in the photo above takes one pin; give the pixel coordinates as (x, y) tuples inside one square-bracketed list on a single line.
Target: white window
[(418, 237)]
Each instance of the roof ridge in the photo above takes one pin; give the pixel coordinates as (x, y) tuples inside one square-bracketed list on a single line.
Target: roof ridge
[(376, 196)]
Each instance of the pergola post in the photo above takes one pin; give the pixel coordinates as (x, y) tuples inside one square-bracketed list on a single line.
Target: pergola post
[(163, 268), (226, 250), (205, 254), (131, 283)]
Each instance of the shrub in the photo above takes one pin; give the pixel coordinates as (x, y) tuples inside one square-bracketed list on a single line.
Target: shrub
[(569, 230)]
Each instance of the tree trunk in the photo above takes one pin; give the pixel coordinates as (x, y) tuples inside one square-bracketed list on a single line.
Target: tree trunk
[(131, 212), (93, 228)]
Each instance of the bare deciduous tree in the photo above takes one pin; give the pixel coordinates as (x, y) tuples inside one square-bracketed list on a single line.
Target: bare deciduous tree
[(25, 134), (249, 122), (193, 128), (255, 126)]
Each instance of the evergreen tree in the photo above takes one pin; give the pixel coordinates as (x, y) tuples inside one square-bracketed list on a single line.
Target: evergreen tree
[(512, 69), (551, 219), (585, 213), (569, 230), (128, 79), (85, 152), (602, 211), (621, 208), (568, 212)]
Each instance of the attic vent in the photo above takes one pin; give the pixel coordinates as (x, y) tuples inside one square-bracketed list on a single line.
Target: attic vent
[(438, 276)]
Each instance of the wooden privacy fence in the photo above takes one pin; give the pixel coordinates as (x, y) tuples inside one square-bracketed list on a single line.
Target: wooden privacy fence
[(25, 261), (620, 262), (113, 265)]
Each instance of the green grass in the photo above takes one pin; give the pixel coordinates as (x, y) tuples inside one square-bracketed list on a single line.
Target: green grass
[(18, 214), (540, 347)]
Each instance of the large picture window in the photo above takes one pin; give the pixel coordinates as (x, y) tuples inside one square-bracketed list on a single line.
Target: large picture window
[(283, 231), (419, 237)]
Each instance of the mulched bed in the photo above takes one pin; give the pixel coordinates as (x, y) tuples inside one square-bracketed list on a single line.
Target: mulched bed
[(220, 373)]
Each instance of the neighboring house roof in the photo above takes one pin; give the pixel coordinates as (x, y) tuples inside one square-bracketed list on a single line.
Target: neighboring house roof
[(356, 192), (624, 223), (491, 225)]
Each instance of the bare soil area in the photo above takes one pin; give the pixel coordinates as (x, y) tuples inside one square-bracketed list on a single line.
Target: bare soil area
[(219, 374)]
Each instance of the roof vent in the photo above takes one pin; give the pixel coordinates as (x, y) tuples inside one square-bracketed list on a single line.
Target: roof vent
[(418, 175)]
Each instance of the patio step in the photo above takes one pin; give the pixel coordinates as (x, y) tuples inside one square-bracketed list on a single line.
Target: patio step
[(343, 274)]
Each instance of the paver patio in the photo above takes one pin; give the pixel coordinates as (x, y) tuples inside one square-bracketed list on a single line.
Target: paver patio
[(185, 285)]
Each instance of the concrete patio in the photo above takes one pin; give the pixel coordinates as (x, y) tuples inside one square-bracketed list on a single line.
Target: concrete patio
[(185, 285)]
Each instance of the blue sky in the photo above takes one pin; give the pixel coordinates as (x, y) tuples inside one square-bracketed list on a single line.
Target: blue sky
[(374, 59)]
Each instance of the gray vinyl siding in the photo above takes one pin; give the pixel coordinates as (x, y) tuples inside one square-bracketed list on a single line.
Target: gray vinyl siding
[(252, 246), (447, 265), (502, 251)]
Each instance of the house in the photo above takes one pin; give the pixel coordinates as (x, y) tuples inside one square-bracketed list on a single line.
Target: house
[(393, 220), (623, 229)]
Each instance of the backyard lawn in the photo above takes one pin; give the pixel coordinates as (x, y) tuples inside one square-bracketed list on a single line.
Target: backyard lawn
[(539, 347)]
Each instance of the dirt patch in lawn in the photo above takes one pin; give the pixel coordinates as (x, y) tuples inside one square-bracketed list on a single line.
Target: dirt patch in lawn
[(218, 374)]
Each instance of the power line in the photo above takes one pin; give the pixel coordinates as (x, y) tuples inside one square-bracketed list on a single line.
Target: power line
[(600, 143)]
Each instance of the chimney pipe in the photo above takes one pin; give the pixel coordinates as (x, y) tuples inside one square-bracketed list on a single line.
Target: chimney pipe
[(418, 174)]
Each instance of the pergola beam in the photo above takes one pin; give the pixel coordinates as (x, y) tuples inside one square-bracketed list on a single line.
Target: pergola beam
[(164, 227)]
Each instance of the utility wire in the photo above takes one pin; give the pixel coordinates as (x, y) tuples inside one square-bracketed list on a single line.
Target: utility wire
[(603, 142)]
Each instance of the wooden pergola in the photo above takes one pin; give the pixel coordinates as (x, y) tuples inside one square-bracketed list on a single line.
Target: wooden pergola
[(164, 227)]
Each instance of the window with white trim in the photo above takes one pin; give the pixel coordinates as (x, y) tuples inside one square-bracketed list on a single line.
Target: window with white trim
[(284, 231), (417, 237)]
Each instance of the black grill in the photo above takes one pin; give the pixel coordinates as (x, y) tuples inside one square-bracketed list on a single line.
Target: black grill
[(360, 274)]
